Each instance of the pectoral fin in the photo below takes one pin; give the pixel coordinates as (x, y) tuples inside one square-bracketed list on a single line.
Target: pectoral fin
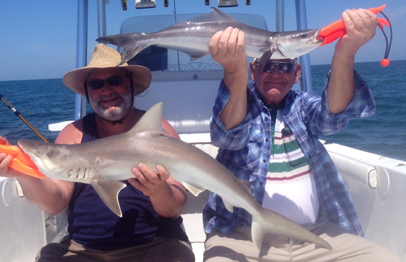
[(263, 60), (195, 190), (247, 185), (108, 192), (193, 53)]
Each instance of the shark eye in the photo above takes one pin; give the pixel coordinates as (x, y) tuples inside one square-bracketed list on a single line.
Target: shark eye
[(39, 153)]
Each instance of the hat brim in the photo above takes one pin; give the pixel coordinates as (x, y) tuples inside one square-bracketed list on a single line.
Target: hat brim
[(75, 79)]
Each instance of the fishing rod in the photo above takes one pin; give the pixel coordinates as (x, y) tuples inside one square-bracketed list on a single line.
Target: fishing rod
[(22, 118)]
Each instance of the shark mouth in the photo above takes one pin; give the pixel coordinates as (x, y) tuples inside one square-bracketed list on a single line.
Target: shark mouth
[(316, 38)]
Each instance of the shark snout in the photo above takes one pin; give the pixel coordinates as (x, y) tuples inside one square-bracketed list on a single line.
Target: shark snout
[(31, 148), (24, 145), (315, 38)]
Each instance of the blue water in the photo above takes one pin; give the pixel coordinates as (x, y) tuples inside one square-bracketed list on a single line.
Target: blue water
[(43, 102)]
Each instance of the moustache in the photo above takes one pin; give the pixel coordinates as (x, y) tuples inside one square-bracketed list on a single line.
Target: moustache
[(107, 97)]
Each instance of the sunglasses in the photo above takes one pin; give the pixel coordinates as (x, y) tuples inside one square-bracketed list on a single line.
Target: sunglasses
[(111, 81), (283, 67)]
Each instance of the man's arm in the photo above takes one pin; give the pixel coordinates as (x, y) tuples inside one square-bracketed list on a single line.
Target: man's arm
[(50, 195), (360, 26), (228, 49)]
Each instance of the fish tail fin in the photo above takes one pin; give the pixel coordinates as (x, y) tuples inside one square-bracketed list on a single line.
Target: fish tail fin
[(279, 225), (132, 44)]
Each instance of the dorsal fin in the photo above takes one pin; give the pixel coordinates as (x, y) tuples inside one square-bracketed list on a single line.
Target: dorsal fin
[(150, 121), (221, 16), (215, 15)]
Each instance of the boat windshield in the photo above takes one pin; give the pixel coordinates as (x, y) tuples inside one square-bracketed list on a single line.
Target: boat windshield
[(162, 59)]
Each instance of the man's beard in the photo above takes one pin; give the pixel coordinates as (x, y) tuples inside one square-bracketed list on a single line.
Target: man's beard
[(113, 113)]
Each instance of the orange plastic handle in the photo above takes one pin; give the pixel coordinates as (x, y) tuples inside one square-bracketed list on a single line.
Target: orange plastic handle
[(21, 162), (337, 29)]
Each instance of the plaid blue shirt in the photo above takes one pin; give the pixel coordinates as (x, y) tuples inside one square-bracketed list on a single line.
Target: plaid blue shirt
[(246, 150)]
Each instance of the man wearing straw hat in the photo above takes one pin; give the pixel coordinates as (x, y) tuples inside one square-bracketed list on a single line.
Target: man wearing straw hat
[(150, 229)]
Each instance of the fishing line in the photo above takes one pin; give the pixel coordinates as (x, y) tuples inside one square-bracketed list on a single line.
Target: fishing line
[(385, 62), (21, 117)]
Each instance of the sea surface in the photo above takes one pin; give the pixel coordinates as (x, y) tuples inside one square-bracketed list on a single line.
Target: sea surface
[(42, 102)]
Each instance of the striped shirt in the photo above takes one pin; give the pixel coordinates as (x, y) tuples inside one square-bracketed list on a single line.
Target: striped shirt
[(246, 151), (290, 189)]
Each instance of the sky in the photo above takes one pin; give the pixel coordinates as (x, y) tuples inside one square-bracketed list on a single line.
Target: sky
[(38, 38)]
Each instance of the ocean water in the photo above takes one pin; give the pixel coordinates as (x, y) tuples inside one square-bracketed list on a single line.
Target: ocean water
[(385, 132), (47, 101)]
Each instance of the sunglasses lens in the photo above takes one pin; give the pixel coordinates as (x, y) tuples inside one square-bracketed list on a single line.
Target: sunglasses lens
[(96, 84), (114, 80), (283, 67), (268, 67), (111, 81)]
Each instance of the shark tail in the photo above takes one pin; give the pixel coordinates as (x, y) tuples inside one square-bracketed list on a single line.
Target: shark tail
[(282, 226), (132, 44)]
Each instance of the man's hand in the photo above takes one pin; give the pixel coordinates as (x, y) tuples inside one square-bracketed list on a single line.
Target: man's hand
[(228, 49), (147, 181), (168, 197), (360, 26), (5, 160)]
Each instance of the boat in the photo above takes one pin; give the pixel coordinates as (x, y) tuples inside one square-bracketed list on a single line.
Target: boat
[(376, 183)]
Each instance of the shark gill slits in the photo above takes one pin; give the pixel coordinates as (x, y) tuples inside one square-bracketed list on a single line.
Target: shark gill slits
[(70, 173), (78, 174)]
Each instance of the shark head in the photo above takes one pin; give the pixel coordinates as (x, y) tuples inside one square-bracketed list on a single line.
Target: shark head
[(51, 160), (296, 43), (42, 154)]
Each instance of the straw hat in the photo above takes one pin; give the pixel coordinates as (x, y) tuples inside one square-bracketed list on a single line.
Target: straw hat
[(106, 57)]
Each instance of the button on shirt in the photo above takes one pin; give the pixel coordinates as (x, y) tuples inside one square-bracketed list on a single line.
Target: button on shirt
[(246, 150)]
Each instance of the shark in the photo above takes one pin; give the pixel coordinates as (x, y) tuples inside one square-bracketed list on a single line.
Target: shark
[(106, 162), (193, 36)]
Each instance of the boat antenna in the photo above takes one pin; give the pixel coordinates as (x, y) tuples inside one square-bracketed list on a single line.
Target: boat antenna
[(176, 21), (385, 62), (22, 118)]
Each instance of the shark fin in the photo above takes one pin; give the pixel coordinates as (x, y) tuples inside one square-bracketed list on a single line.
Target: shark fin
[(214, 15), (280, 225), (129, 52), (228, 206), (247, 185), (221, 16), (193, 53), (150, 121), (263, 60), (127, 42), (108, 192), (257, 233), (193, 189)]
